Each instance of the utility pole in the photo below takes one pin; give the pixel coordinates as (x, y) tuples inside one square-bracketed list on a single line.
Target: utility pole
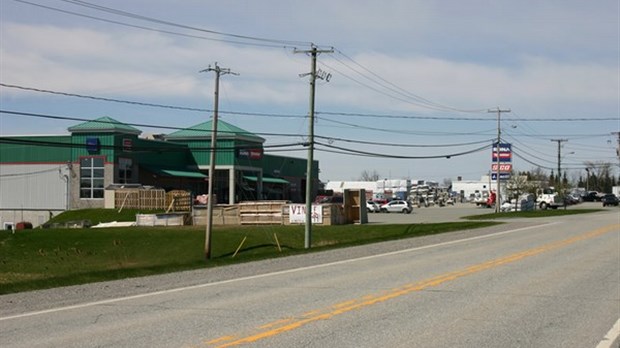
[(617, 149), (313, 54), (559, 176), (497, 152), (218, 71)]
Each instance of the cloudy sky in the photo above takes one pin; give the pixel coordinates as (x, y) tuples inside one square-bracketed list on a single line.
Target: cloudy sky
[(410, 89)]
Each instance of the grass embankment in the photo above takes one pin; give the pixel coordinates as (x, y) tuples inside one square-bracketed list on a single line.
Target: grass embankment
[(46, 258), (531, 214)]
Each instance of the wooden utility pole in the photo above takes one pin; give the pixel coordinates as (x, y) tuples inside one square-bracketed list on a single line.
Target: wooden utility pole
[(497, 152), (309, 179), (218, 71), (559, 176)]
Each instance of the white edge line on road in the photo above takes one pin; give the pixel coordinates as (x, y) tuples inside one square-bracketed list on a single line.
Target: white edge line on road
[(611, 336), (198, 286)]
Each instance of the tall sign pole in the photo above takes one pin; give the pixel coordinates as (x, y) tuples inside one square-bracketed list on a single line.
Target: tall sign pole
[(497, 154), (218, 71), (309, 179)]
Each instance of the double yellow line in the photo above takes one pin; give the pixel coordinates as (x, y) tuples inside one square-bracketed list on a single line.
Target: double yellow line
[(284, 325)]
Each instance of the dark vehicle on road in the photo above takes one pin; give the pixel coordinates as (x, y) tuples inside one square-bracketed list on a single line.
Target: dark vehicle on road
[(610, 199), (591, 196)]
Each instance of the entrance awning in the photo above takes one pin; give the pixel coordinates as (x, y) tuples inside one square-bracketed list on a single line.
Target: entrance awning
[(176, 172), (267, 180)]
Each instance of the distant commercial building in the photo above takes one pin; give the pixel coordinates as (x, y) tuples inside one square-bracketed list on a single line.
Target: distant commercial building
[(469, 188), (43, 175)]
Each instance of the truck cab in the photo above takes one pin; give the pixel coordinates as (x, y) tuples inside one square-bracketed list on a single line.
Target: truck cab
[(548, 198)]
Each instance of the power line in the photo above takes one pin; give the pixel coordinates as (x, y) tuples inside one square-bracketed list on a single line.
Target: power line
[(263, 41), (163, 106), (421, 101), (183, 26), (328, 138), (384, 155), (400, 131), (138, 148), (147, 28), (401, 144), (332, 113)]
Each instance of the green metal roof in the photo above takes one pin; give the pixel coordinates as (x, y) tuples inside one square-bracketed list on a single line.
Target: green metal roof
[(224, 130), (104, 124), (267, 179), (177, 172)]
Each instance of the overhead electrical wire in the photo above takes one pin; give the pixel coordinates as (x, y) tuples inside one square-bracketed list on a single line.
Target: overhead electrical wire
[(376, 78), (385, 84), (328, 138), (400, 131), (67, 118), (404, 99), (371, 154), (135, 148), (150, 29), (20, 175), (159, 149), (273, 43), (163, 106), (333, 113), (402, 144), (183, 26), (421, 101)]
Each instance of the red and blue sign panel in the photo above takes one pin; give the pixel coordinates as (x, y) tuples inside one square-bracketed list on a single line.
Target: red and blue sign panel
[(505, 152)]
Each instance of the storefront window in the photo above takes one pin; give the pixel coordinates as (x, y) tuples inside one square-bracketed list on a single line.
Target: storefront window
[(124, 170), (91, 177)]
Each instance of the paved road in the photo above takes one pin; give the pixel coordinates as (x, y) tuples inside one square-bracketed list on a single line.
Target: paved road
[(535, 283)]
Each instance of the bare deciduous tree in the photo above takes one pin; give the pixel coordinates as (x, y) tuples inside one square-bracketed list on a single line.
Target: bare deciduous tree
[(369, 176)]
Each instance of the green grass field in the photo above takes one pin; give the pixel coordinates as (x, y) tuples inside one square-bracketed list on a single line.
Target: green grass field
[(46, 258)]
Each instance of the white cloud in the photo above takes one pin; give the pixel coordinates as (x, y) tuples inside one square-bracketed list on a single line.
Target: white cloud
[(149, 64)]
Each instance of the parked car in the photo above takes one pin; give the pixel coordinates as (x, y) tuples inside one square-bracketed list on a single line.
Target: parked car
[(573, 198), (372, 207), (525, 202), (610, 199), (591, 196), (397, 206)]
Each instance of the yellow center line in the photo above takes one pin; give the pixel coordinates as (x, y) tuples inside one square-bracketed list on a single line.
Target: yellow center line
[(290, 324)]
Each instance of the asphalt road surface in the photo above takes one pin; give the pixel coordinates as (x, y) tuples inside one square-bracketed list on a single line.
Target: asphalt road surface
[(552, 282)]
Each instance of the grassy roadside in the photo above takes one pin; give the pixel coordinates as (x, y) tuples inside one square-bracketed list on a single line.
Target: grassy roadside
[(46, 258), (531, 214)]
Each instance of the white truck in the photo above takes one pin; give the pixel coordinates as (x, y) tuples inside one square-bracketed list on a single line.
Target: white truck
[(480, 198), (548, 198)]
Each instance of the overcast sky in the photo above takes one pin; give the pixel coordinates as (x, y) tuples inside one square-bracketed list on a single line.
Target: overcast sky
[(422, 75)]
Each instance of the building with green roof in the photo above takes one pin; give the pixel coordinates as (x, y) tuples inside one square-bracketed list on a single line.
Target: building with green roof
[(43, 174)]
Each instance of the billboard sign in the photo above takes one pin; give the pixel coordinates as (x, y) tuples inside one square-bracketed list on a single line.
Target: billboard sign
[(253, 154), (503, 167), (505, 152), (502, 176)]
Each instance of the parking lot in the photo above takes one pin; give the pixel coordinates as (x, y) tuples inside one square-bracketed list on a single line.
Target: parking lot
[(451, 213)]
